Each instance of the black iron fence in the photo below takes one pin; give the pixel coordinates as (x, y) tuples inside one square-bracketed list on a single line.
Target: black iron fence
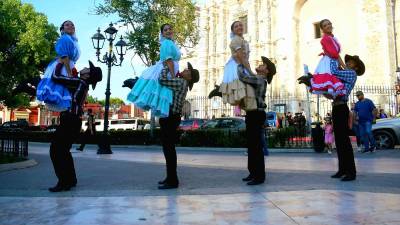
[(383, 96), (309, 105), (289, 137), (13, 143)]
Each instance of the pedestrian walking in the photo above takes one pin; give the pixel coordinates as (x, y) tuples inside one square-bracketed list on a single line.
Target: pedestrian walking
[(382, 114), (329, 137), (90, 132), (354, 126), (367, 113)]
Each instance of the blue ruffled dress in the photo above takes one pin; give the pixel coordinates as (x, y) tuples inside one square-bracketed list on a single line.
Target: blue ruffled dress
[(56, 96), (148, 93)]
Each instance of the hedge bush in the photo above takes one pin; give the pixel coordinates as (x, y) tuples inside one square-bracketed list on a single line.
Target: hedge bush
[(129, 137), (197, 138), (213, 138)]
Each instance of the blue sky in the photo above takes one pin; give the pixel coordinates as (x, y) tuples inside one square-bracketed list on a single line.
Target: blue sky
[(86, 24)]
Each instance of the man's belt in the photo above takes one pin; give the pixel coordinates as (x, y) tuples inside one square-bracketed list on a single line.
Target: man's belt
[(336, 103), (256, 110)]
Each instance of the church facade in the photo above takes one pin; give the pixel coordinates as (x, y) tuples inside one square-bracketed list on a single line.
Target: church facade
[(287, 31)]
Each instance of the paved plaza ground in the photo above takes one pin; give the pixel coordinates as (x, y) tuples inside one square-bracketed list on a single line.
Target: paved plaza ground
[(122, 189)]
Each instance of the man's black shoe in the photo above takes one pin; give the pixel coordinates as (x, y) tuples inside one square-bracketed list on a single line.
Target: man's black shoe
[(348, 178), (248, 178), (60, 188), (337, 175), (372, 149), (162, 181), (168, 186), (255, 182)]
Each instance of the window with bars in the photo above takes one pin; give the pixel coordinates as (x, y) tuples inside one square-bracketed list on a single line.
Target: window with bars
[(317, 30)]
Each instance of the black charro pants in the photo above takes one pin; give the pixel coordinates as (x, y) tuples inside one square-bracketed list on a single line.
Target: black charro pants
[(169, 126), (65, 134), (255, 164), (340, 118)]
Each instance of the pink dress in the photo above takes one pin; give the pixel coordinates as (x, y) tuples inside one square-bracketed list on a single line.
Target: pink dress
[(329, 134), (323, 81)]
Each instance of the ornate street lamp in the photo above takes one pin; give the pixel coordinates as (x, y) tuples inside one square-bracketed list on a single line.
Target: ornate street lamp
[(110, 59), (397, 85), (121, 48), (98, 41)]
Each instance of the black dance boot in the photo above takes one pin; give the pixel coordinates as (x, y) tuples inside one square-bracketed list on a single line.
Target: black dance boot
[(248, 178), (59, 188), (306, 79)]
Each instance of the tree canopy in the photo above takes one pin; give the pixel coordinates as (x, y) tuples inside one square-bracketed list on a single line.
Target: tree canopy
[(26, 47), (116, 102), (143, 19)]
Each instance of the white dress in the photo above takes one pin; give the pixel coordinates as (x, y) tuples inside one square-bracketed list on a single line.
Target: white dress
[(235, 92)]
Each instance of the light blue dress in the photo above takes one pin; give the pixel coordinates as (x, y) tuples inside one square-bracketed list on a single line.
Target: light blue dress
[(56, 96), (148, 93)]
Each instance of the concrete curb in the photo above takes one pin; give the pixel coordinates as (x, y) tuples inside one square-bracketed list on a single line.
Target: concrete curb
[(209, 149), (18, 165), (215, 149)]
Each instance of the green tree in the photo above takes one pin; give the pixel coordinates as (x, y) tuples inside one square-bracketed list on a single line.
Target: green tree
[(91, 99), (26, 47), (116, 102), (143, 19)]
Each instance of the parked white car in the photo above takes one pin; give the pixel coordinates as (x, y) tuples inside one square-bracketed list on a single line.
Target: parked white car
[(127, 124), (99, 125), (386, 133), (120, 124)]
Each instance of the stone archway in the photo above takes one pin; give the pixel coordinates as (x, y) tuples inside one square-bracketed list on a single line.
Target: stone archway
[(310, 12), (368, 33)]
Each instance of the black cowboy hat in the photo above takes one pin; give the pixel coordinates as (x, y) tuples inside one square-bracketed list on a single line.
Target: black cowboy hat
[(195, 75), (215, 92), (271, 68), (360, 70), (95, 75), (130, 83)]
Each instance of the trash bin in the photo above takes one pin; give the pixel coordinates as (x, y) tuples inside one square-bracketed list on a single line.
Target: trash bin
[(317, 134)]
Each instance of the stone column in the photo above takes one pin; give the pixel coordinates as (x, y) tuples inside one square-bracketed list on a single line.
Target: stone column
[(378, 58)]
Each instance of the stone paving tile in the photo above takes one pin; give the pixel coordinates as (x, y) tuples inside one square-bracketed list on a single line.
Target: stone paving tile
[(121, 189), (338, 207), (306, 162), (208, 209), (298, 207)]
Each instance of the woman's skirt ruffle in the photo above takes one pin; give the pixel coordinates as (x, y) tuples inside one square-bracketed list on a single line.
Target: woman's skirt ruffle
[(56, 96), (149, 94), (327, 84), (234, 91)]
